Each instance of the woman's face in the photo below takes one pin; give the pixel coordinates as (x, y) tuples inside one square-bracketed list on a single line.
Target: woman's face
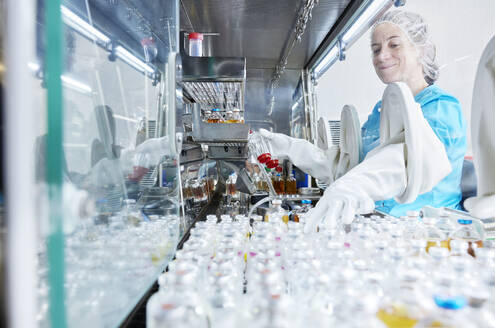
[(394, 57)]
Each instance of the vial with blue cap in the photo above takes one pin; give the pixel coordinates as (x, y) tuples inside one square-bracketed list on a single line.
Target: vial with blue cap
[(452, 312), (305, 207), (467, 232)]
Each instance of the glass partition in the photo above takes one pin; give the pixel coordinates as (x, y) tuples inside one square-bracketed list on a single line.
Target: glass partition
[(107, 227)]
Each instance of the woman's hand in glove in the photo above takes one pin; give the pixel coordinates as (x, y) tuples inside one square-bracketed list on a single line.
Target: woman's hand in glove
[(279, 143), (337, 205)]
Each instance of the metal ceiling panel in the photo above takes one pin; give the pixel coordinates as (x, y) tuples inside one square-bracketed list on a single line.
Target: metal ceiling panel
[(258, 29)]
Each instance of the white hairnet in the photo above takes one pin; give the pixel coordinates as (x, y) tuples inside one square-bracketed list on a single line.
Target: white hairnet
[(418, 33)]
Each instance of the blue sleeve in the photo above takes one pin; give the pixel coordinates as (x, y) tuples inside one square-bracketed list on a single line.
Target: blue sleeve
[(445, 117), (370, 131)]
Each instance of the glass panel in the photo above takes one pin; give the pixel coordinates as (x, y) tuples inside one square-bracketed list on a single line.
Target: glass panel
[(119, 225)]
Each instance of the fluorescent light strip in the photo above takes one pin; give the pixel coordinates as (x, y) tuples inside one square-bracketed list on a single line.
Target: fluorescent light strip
[(368, 14), (83, 27), (125, 118), (328, 60), (76, 85), (68, 81), (132, 60), (365, 18)]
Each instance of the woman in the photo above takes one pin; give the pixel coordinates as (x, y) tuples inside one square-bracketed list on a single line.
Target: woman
[(402, 52)]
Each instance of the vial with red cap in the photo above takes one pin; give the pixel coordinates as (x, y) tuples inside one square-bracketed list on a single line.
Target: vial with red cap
[(272, 163), (195, 44), (259, 148)]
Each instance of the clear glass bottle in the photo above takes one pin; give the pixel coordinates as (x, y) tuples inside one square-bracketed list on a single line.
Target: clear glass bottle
[(238, 118), (229, 117), (195, 44), (434, 236), (257, 181), (291, 185), (413, 228), (130, 212), (446, 225), (176, 304), (198, 189), (265, 183), (216, 116), (188, 188), (277, 214), (230, 185), (468, 233), (278, 182), (207, 116)]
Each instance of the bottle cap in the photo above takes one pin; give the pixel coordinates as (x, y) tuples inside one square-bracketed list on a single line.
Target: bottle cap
[(465, 221), (272, 163), (195, 36), (450, 302)]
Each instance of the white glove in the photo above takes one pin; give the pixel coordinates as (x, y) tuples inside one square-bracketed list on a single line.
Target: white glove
[(356, 191), (77, 206), (482, 207), (350, 141), (316, 162), (483, 135), (156, 148), (424, 156), (410, 161), (278, 143), (150, 152), (326, 165)]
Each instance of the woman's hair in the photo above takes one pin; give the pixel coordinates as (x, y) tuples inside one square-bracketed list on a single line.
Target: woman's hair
[(416, 29)]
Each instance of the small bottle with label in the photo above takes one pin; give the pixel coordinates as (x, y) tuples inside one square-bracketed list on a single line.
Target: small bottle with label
[(229, 117), (238, 118), (468, 233), (207, 116), (276, 213)]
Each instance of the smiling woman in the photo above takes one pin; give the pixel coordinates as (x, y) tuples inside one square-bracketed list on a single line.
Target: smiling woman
[(395, 58), (402, 51)]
